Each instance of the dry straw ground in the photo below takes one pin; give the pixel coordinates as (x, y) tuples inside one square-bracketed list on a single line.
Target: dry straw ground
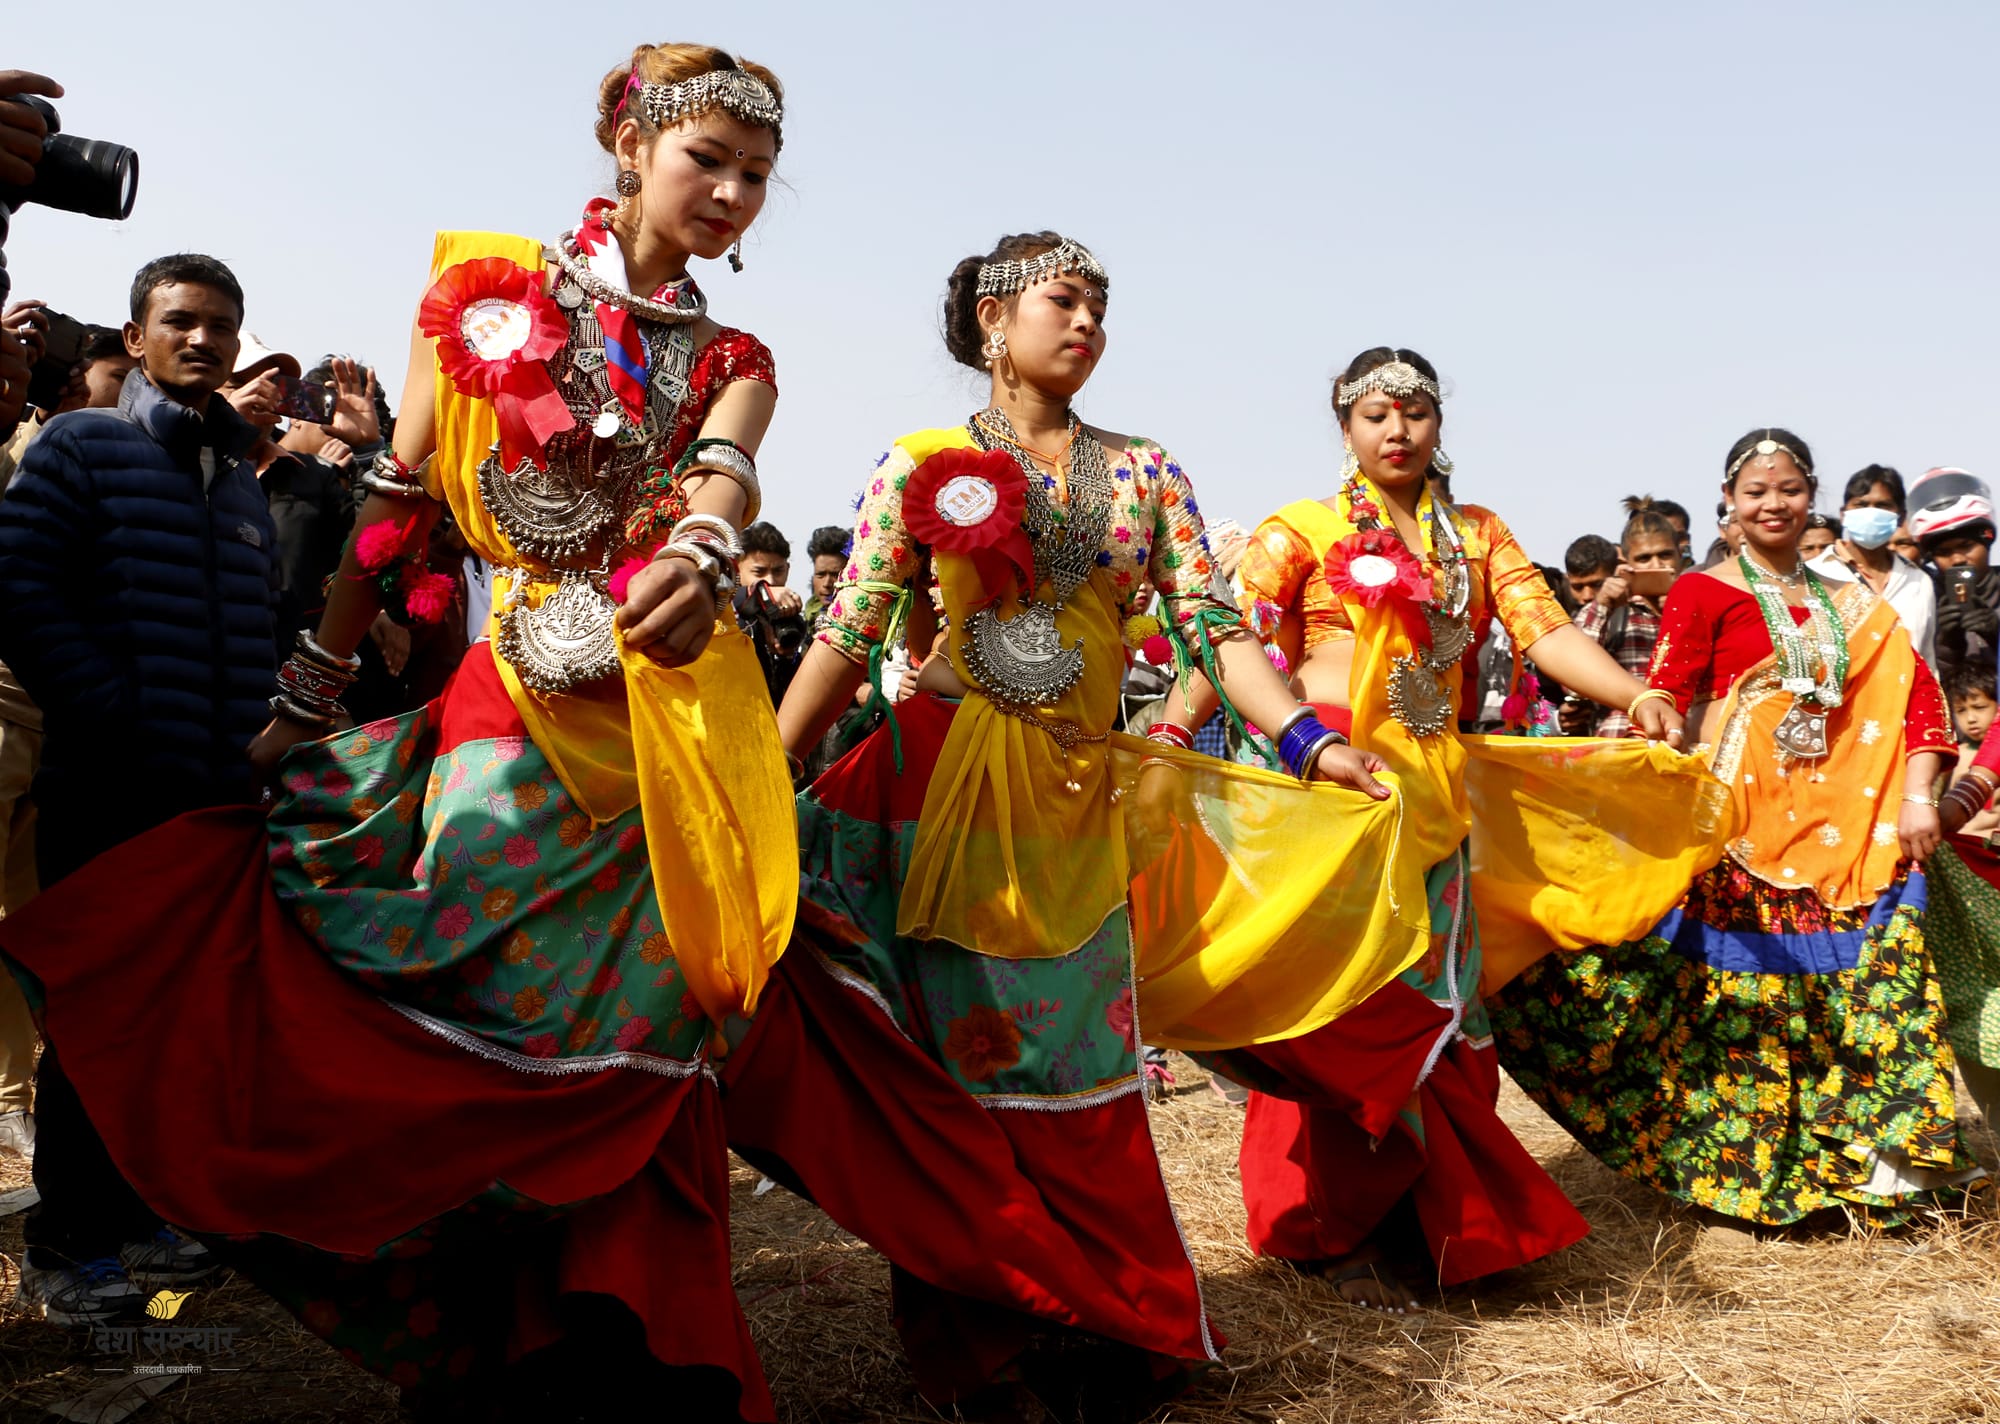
[(1658, 1316)]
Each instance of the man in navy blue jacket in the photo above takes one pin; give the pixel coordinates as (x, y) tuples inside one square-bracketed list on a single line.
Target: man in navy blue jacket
[(138, 571)]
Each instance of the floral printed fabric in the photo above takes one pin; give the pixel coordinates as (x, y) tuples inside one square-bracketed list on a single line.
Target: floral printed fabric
[(1052, 1032), (467, 886), (1155, 533), (1762, 1096), (1963, 926)]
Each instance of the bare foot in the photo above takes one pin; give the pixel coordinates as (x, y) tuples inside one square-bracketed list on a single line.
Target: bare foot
[(1361, 1279)]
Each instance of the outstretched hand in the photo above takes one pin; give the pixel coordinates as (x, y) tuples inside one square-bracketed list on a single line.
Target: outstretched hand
[(1345, 766), (668, 612), (1658, 720)]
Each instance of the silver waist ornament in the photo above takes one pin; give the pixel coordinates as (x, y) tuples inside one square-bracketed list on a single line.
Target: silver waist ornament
[(558, 509), (1022, 659), (1419, 689)]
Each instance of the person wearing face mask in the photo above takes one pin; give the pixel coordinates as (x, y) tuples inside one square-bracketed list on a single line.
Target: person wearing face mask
[(1871, 511), (1775, 1047)]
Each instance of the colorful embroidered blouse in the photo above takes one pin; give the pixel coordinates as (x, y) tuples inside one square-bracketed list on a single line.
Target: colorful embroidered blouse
[(1155, 534), (1711, 633), (1290, 605)]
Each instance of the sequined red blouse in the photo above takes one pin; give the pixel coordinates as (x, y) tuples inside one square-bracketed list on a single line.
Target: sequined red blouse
[(1711, 633)]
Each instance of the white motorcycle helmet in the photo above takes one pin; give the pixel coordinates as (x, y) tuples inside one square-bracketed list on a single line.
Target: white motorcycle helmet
[(1948, 500)]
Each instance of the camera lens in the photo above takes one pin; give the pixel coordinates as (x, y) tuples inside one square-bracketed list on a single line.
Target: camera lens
[(91, 176)]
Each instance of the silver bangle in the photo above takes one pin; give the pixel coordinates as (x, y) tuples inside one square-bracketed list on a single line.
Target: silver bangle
[(1310, 764), (720, 584), (714, 524), (1290, 722), (732, 464), (309, 645), (383, 477)]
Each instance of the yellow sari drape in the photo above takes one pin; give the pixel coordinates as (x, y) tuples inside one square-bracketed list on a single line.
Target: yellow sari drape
[(695, 747), (1259, 908), (1574, 841)]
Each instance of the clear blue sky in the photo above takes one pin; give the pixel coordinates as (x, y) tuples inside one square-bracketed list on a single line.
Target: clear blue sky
[(1625, 234)]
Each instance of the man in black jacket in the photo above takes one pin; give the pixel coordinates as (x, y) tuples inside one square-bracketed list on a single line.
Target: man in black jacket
[(138, 567)]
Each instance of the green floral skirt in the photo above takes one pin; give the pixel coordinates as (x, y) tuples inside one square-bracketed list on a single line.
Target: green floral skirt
[(1759, 1055)]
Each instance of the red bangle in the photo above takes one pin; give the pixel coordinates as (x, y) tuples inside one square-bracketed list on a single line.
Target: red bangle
[(1168, 732)]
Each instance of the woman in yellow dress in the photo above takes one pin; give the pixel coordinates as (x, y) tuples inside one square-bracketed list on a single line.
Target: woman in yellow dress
[(1374, 598)]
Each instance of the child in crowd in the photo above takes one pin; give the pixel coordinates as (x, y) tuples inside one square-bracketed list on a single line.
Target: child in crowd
[(1623, 620), (1970, 691)]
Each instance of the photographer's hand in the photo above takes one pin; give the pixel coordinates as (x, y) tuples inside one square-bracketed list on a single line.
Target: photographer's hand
[(354, 416), (21, 128), (24, 318), (15, 368)]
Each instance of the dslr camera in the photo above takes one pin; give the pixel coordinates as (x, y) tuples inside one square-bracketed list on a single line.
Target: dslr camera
[(78, 175)]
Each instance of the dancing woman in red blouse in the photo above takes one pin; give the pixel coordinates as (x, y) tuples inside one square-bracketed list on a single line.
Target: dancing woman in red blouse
[(1777, 1046)]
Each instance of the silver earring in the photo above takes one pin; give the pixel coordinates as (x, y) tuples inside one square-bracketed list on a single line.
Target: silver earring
[(1440, 461), (628, 182), (996, 349), (736, 256), (1350, 465)]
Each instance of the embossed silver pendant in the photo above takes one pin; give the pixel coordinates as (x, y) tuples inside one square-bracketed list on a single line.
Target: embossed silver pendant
[(1023, 659), (544, 512), (1802, 732), (566, 640), (1418, 697), (1450, 636)]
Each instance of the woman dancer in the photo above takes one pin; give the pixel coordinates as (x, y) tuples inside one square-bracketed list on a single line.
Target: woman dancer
[(1372, 597), (1776, 1047), (967, 870), (451, 1086)]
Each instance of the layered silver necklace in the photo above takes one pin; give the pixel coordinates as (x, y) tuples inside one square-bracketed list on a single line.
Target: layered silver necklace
[(556, 509), (1022, 659)]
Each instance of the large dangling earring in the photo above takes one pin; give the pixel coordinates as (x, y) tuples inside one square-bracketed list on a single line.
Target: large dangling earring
[(1440, 461), (736, 256), (1350, 465), (996, 349), (628, 182)]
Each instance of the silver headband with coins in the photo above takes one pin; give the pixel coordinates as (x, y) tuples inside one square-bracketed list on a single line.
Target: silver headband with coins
[(1395, 379), (1065, 259), (743, 95)]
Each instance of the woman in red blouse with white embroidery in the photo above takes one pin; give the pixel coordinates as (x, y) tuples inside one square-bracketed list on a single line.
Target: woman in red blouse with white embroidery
[(1776, 1047)]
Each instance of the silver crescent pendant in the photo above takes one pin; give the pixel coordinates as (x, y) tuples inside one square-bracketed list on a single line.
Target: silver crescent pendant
[(1023, 659), (564, 641), (1418, 697)]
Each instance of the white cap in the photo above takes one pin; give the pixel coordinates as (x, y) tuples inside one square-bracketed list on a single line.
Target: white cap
[(255, 355)]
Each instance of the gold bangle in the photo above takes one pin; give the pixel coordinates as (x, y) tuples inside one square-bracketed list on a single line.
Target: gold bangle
[(1913, 799), (1649, 695)]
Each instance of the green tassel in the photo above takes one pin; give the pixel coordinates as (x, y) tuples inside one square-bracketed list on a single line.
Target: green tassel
[(1201, 621), (899, 616)]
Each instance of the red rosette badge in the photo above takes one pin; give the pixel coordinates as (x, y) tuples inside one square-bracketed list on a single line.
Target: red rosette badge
[(972, 502), (496, 328), (1374, 567)]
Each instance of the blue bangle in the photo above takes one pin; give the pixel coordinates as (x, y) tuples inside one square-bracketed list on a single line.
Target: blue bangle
[(1300, 738)]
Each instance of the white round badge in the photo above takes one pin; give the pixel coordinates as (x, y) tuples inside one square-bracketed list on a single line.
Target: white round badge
[(966, 500), (1371, 570), (494, 328)]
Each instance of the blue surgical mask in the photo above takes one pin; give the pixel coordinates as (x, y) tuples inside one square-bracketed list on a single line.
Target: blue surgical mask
[(1869, 528)]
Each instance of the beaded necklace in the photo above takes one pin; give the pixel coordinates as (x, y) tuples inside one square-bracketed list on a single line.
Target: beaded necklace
[(1812, 660), (1419, 696)]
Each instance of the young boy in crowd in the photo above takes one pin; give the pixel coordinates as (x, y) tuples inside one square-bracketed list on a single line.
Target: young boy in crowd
[(1970, 690)]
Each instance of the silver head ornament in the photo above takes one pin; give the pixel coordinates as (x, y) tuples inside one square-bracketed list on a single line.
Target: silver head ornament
[(742, 95), (1763, 450), (1065, 259), (1395, 379)]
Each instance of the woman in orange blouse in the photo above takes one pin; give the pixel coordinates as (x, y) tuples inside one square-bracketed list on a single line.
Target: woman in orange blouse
[(1776, 1048), (1372, 598)]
